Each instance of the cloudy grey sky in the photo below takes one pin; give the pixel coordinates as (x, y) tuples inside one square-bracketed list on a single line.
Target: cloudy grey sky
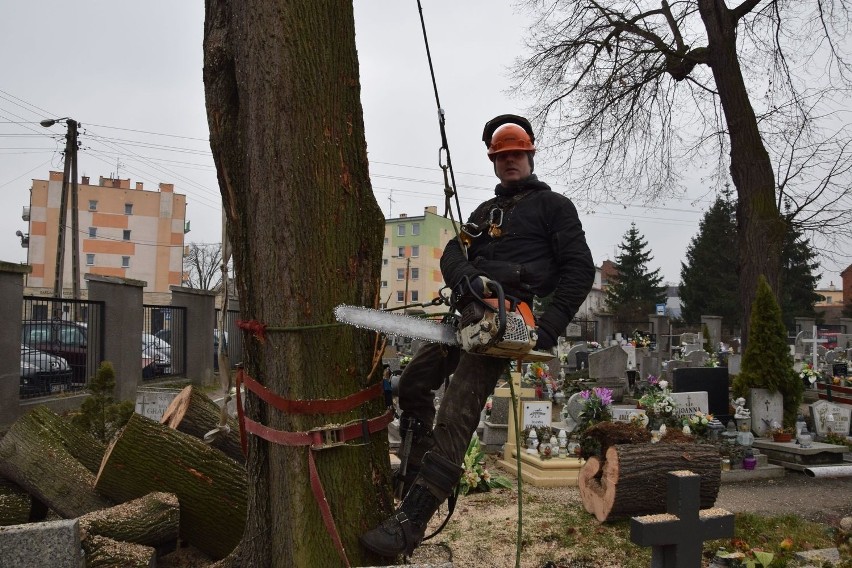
[(130, 73)]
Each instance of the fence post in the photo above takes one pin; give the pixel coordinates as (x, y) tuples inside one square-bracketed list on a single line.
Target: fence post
[(122, 329), (11, 300), (200, 322)]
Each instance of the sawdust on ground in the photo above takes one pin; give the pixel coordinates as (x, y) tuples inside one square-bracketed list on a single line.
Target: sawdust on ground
[(483, 530)]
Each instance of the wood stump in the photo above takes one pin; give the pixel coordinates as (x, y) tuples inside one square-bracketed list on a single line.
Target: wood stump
[(631, 480), (147, 456), (152, 520), (192, 412), (105, 552), (85, 448)]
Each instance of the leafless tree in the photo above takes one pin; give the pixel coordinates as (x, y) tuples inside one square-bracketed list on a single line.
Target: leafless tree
[(202, 266), (637, 95)]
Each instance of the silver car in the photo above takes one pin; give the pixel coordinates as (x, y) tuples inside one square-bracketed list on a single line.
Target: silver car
[(43, 373)]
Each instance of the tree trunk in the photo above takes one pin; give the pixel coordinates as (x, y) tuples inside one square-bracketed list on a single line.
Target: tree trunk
[(631, 480), (147, 456), (33, 457), (87, 449), (193, 413), (108, 553), (287, 135), (152, 520), (760, 228)]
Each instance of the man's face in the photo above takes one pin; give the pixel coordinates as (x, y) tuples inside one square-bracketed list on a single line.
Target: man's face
[(512, 166)]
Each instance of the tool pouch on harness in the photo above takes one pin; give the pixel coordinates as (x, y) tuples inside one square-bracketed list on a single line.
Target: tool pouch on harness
[(416, 440)]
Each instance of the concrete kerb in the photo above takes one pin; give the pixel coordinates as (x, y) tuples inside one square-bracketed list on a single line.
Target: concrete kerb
[(52, 543)]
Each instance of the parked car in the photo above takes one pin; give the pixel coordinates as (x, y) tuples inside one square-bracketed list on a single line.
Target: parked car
[(157, 343), (155, 362), (216, 348), (65, 339), (43, 373)]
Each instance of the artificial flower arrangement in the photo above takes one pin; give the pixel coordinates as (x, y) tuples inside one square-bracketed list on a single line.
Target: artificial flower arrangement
[(712, 360), (593, 345), (538, 375), (404, 360), (697, 423), (640, 340), (476, 476), (808, 373), (596, 406), (657, 400)]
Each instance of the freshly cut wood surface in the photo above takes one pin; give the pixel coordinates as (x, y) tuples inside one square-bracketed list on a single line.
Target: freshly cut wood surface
[(152, 520), (105, 552), (194, 413)]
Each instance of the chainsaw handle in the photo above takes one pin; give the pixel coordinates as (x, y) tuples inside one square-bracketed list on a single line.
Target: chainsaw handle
[(501, 304)]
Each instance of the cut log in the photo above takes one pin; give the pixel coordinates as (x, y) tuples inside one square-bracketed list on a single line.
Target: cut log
[(147, 456), (34, 458), (192, 412), (15, 504), (106, 552), (152, 520), (87, 449), (631, 480)]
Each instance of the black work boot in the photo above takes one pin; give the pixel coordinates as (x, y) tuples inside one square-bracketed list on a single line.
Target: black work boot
[(416, 440), (403, 532)]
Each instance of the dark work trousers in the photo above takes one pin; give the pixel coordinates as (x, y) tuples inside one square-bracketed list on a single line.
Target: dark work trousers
[(474, 379)]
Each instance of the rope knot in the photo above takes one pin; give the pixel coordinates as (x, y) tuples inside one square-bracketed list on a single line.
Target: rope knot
[(254, 327)]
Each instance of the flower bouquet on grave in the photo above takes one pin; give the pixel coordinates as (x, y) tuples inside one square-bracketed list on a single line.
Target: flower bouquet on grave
[(639, 340), (809, 375), (596, 407), (539, 377), (476, 476), (658, 403), (697, 423)]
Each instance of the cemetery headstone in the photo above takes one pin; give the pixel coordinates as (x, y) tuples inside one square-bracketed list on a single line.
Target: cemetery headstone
[(650, 365), (840, 369), (688, 403), (697, 357), (537, 413), (712, 380), (607, 363), (582, 360), (152, 402), (766, 408), (830, 417), (631, 355), (735, 363), (677, 537), (571, 355)]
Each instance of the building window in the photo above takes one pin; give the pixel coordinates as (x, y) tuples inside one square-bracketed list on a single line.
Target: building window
[(125, 262), (415, 273), (384, 283), (126, 235), (400, 274), (400, 296), (93, 205), (128, 209), (387, 240), (384, 262), (415, 250), (400, 252), (415, 229), (415, 296), (383, 306), (93, 232), (90, 260), (400, 230)]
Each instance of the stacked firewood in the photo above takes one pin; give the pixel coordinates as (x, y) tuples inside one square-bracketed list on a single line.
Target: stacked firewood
[(153, 485)]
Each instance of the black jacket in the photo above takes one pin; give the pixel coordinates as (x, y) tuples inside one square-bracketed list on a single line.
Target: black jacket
[(542, 249)]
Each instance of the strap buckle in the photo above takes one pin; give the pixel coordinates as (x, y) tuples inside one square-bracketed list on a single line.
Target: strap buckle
[(326, 437)]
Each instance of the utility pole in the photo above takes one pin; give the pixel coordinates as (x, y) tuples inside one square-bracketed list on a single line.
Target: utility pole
[(69, 178)]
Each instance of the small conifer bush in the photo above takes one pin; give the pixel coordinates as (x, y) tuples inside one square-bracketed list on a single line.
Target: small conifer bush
[(99, 414)]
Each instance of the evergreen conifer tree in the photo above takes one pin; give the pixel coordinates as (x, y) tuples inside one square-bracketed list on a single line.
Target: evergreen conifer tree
[(709, 282), (798, 278), (635, 290), (767, 362), (99, 414)]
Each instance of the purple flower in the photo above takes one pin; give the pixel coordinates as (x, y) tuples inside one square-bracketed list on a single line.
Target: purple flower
[(604, 394), (652, 380), (585, 394)]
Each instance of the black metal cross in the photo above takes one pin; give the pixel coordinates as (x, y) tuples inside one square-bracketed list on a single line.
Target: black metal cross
[(677, 536)]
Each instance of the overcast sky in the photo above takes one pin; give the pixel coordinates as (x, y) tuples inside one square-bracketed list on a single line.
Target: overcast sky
[(130, 73)]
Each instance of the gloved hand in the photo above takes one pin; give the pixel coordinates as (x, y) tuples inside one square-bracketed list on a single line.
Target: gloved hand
[(480, 286), (545, 341)]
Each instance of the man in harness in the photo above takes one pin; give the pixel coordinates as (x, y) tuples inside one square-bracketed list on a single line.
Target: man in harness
[(530, 240)]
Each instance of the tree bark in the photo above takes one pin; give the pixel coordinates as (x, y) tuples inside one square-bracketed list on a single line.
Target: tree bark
[(152, 520), (760, 228), (193, 413), (14, 504), (631, 480), (287, 135), (147, 456), (32, 456), (87, 449), (108, 553)]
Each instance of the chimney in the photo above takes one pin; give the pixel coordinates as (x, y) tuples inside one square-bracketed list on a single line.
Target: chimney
[(431, 209), (167, 187), (85, 180), (139, 186), (403, 215)]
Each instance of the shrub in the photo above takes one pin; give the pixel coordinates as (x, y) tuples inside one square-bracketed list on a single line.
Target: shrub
[(99, 414)]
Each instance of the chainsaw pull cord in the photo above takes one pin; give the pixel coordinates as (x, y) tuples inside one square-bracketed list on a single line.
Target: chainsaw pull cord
[(446, 165)]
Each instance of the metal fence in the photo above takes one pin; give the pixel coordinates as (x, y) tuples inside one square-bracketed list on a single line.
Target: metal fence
[(62, 344), (163, 341)]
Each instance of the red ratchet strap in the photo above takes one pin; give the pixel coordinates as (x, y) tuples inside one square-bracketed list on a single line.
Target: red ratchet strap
[(321, 438)]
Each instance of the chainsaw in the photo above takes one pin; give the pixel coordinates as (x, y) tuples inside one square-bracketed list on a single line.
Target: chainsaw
[(497, 327)]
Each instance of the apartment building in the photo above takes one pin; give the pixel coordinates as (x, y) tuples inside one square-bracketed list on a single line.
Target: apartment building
[(411, 271), (123, 231)]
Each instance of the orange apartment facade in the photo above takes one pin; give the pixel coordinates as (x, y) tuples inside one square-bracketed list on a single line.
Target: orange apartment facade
[(123, 231)]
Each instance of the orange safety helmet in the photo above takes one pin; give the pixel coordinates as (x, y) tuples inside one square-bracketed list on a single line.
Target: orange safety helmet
[(510, 137)]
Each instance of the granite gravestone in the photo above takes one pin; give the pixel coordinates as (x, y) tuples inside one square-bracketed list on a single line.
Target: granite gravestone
[(712, 380), (688, 403), (607, 363), (631, 355), (697, 358), (766, 408), (650, 364), (735, 362), (571, 355), (830, 417)]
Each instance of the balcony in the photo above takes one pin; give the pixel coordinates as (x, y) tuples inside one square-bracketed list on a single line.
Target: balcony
[(26, 214)]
